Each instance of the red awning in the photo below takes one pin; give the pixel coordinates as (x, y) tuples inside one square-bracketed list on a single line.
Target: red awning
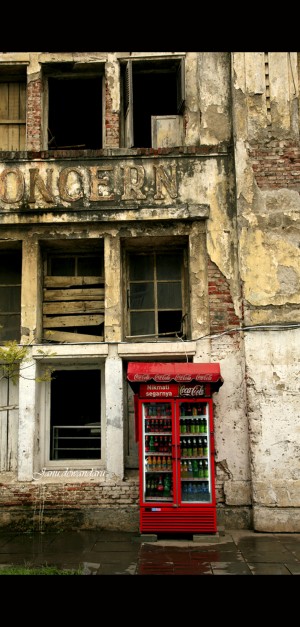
[(140, 372)]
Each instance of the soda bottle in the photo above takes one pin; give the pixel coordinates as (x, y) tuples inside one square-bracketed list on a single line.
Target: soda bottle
[(149, 463), (200, 469), (148, 487), (190, 469), (160, 485), (197, 425), (185, 469), (195, 447), (204, 425), (205, 471), (154, 462), (184, 448), (151, 444), (164, 463), (169, 463), (195, 468), (193, 425), (156, 444), (167, 486), (205, 449), (189, 448), (200, 447), (182, 409), (147, 445)]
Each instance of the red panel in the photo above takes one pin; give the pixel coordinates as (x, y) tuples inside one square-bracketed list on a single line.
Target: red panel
[(182, 520), (140, 372)]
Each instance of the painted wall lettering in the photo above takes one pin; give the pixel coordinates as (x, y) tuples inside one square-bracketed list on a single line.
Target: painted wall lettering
[(38, 185)]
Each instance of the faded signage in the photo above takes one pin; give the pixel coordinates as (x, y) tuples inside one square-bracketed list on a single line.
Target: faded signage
[(47, 184)]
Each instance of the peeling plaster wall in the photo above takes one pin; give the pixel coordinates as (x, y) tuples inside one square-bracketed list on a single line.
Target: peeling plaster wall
[(266, 131)]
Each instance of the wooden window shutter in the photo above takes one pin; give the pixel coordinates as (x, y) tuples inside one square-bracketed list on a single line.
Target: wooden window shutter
[(12, 116), (180, 86), (129, 140)]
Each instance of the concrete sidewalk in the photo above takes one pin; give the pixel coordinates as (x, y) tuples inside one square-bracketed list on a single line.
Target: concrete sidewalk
[(237, 552)]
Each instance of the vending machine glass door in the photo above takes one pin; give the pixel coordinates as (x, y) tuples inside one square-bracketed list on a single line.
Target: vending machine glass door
[(195, 455), (156, 452)]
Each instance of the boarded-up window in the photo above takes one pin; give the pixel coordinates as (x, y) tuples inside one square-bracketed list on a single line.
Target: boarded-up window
[(73, 307), (12, 115)]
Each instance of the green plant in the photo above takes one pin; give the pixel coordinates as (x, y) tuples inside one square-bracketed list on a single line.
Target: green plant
[(37, 570)]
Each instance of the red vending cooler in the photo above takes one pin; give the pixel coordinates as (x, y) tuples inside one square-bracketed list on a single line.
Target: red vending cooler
[(175, 432)]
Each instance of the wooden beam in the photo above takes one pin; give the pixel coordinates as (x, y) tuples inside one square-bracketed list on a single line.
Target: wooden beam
[(73, 307), (69, 281), (77, 294), (61, 336), (71, 321)]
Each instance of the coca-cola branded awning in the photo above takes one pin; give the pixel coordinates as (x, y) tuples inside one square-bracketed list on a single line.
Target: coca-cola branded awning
[(171, 372)]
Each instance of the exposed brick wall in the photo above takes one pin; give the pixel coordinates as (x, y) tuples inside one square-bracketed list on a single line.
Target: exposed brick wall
[(222, 315), (39, 505), (276, 165), (34, 112), (112, 122)]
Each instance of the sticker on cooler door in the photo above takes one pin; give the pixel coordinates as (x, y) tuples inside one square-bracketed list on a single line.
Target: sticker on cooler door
[(191, 390)]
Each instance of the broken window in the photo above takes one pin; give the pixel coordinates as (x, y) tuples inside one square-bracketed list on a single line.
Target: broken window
[(12, 108), (10, 295), (75, 112), (75, 415), (73, 299), (156, 300), (153, 101)]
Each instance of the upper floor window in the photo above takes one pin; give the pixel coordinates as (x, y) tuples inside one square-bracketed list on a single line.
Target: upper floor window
[(156, 294), (153, 101), (10, 295), (75, 109), (13, 108)]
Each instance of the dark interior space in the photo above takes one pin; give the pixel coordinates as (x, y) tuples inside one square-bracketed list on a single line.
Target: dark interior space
[(76, 403), (75, 113), (153, 94)]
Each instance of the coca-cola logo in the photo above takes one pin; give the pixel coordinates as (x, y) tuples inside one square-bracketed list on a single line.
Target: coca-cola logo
[(183, 377), (195, 390), (141, 377), (162, 377), (204, 377)]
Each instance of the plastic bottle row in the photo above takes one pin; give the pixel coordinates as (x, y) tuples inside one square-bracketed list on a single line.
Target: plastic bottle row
[(195, 491), (158, 462), (158, 426), (158, 444), (196, 468), (193, 425), (193, 447), (159, 487)]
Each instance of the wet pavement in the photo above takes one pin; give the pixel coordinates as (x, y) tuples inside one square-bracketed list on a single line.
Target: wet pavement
[(235, 552)]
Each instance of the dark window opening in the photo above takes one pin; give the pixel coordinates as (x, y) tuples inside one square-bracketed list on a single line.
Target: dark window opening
[(75, 415), (10, 296), (150, 88), (153, 94), (75, 113)]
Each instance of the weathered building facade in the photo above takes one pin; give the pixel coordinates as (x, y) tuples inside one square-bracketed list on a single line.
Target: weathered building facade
[(149, 210)]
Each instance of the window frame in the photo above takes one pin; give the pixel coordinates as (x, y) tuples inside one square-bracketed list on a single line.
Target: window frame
[(70, 71), (15, 75), (127, 92), (45, 425), (8, 314), (165, 250)]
